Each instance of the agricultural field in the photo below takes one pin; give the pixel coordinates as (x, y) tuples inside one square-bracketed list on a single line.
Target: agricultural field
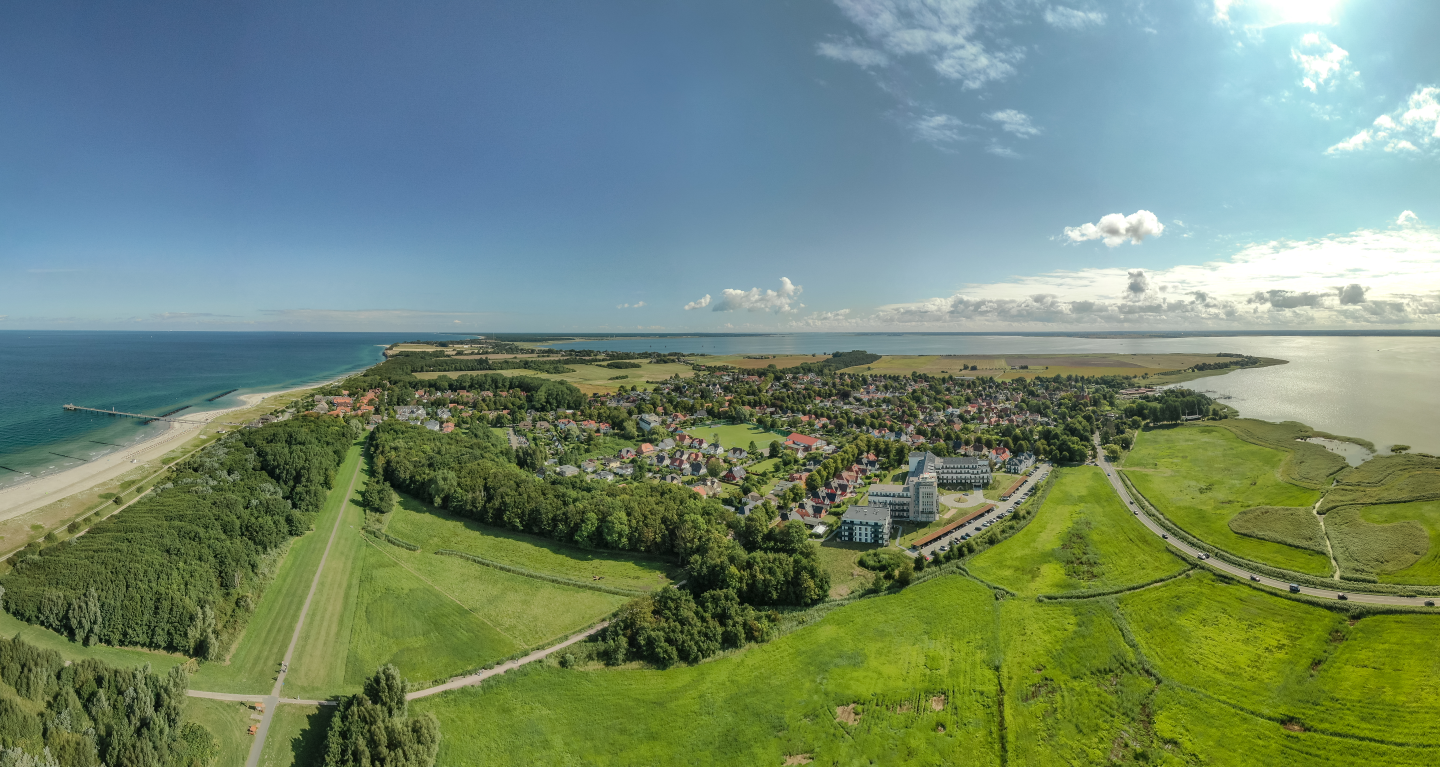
[(1163, 367), (737, 435), (1202, 476), (899, 680), (297, 736), (1290, 662), (781, 361), (593, 378), (1081, 539), (432, 529), (255, 660)]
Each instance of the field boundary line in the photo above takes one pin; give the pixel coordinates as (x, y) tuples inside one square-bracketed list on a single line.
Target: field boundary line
[(1080, 595), (556, 579), (442, 591)]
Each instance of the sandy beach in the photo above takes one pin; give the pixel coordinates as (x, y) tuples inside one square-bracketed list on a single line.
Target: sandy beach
[(35, 493)]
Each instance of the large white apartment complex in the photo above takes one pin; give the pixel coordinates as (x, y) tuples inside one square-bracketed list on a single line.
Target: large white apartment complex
[(957, 471)]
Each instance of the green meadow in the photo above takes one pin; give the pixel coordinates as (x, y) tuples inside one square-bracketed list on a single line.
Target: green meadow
[(1081, 539), (1202, 476), (737, 435)]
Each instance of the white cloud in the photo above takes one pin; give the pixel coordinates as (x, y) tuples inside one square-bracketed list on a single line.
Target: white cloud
[(635, 305), (1000, 150), (1069, 18), (845, 49), (1407, 217), (938, 128), (1369, 277), (1413, 127), (1320, 60), (782, 301), (1116, 228), (944, 33), (698, 304), (1014, 121), (1262, 14)]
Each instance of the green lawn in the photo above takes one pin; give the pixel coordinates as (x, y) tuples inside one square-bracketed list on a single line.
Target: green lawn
[(432, 529), (1427, 514), (1290, 661), (737, 435), (297, 736), (46, 639), (841, 562), (1201, 476), (999, 483), (912, 664), (228, 722), (1081, 539), (256, 660)]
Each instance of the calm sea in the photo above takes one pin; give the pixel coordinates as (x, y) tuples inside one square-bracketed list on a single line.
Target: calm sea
[(146, 372), (1381, 388)]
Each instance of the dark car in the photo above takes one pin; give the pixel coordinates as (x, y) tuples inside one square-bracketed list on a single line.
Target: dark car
[(1341, 596), (1429, 603), (1255, 578), (1294, 588)]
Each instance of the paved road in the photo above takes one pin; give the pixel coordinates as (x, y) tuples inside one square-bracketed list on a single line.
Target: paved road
[(1035, 478), (474, 679), (1239, 572)]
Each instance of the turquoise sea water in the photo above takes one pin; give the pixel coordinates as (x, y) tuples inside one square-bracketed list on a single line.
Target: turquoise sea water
[(146, 372)]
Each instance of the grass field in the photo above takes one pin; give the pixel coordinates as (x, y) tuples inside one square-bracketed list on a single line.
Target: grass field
[(593, 378), (841, 562), (738, 435), (228, 722), (432, 529), (46, 639), (1365, 547), (255, 662), (1290, 525), (780, 360), (911, 664), (1288, 661), (1387, 479), (1426, 570), (1201, 476), (297, 736), (1306, 464), (1155, 366), (1081, 539)]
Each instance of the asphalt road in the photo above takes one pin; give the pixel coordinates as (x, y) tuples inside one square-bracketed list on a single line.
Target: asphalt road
[(1031, 483), (1239, 572)]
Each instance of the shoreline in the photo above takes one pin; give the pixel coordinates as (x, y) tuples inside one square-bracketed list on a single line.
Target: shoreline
[(39, 491)]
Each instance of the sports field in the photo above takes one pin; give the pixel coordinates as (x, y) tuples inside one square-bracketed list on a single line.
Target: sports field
[(1081, 539), (737, 435), (1202, 476)]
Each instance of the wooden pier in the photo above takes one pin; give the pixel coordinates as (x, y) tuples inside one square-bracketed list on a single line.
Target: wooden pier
[(131, 415)]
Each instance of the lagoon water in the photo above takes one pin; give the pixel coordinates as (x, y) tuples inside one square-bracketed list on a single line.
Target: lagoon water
[(1385, 389), (146, 372)]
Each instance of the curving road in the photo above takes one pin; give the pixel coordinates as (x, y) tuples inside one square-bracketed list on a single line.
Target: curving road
[(1240, 572)]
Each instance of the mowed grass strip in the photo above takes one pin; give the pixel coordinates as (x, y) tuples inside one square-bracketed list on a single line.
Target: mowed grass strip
[(1288, 661), (256, 661), (432, 529), (915, 663), (1082, 539), (317, 669), (229, 723), (1426, 570), (406, 621), (1073, 688), (1363, 547), (297, 736), (1201, 476)]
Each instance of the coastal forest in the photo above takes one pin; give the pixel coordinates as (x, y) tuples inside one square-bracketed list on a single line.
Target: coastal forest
[(182, 568)]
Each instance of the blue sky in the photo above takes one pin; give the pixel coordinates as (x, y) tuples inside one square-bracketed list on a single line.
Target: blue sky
[(869, 164)]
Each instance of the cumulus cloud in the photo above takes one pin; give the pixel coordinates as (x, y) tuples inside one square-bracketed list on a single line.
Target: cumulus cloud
[(1014, 121), (938, 128), (635, 305), (943, 33), (1320, 60), (1116, 228), (1369, 277), (1069, 18), (1414, 127), (1407, 217), (784, 300), (1256, 15), (699, 303)]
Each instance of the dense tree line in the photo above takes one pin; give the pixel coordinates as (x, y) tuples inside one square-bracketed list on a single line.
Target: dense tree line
[(179, 570), (87, 714), (374, 728), (1170, 405), (466, 473), (406, 364)]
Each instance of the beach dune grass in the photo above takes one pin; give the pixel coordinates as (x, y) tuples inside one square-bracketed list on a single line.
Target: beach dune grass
[(1201, 476), (1081, 539)]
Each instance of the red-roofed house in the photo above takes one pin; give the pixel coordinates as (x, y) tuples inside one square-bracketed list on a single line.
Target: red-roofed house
[(800, 440)]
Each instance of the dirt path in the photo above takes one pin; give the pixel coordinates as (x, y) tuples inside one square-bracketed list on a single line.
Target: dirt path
[(474, 679), (1330, 550)]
